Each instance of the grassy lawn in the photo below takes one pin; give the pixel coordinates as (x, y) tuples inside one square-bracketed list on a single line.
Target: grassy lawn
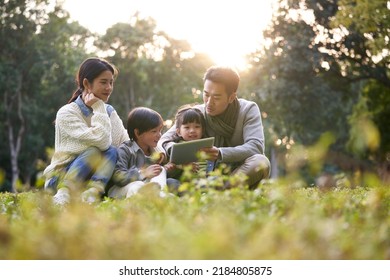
[(272, 222)]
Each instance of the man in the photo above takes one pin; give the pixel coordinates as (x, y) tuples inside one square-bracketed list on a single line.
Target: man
[(236, 125)]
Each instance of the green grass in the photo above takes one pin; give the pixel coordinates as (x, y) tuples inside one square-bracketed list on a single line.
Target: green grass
[(271, 222)]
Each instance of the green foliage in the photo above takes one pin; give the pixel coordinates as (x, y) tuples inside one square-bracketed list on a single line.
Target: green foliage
[(354, 37), (37, 65), (370, 121), (38, 62), (367, 17), (320, 56), (300, 99), (156, 71), (364, 135), (312, 157), (275, 221)]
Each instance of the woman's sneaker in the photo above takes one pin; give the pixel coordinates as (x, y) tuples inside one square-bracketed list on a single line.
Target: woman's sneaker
[(62, 197)]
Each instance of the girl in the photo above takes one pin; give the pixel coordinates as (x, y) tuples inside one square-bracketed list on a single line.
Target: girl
[(190, 125), (138, 164), (87, 132)]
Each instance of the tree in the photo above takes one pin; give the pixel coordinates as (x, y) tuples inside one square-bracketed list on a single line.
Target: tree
[(353, 37), (345, 45), (35, 62), (61, 45), (370, 120), (122, 43), (16, 61), (155, 70), (370, 18), (302, 101)]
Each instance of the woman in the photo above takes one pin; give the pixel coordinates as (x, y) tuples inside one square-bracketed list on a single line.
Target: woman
[(87, 132)]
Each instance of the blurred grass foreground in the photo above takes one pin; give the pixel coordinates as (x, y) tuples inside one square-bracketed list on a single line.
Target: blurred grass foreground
[(275, 221)]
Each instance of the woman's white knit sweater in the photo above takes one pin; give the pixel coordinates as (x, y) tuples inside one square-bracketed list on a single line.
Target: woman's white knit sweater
[(77, 128)]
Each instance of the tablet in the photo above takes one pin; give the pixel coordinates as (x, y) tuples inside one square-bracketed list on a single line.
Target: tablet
[(186, 152)]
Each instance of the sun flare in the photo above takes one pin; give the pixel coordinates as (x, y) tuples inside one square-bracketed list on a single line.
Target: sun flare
[(226, 31)]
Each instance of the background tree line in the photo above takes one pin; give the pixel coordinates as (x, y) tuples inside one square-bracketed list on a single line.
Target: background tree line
[(324, 67)]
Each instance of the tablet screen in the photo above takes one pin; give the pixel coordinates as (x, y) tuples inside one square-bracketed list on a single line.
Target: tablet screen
[(186, 152)]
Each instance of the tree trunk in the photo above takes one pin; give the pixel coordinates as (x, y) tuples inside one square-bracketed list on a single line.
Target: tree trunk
[(14, 103), (274, 164), (384, 172), (131, 93)]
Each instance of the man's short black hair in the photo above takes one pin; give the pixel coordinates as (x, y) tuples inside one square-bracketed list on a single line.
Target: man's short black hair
[(223, 75)]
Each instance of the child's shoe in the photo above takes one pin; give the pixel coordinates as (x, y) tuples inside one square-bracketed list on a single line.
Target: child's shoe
[(94, 192), (91, 195)]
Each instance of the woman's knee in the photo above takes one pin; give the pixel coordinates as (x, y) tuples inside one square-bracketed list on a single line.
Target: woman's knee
[(91, 155), (91, 151), (111, 154)]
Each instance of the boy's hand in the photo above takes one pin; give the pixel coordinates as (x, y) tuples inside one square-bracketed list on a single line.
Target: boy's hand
[(152, 171), (170, 166)]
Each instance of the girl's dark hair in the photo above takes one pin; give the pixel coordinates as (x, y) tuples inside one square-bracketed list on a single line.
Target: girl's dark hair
[(188, 114), (90, 69), (143, 119)]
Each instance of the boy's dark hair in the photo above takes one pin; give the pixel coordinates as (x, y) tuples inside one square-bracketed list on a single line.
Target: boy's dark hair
[(143, 119), (224, 75)]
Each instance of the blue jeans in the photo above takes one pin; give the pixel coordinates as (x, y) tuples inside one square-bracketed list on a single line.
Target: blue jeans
[(91, 165)]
